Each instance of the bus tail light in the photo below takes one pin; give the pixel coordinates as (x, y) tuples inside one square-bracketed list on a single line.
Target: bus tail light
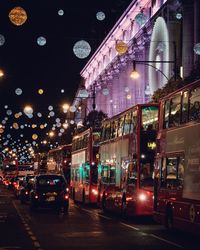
[(94, 191)]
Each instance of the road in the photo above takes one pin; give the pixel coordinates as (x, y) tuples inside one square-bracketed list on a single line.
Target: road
[(83, 227)]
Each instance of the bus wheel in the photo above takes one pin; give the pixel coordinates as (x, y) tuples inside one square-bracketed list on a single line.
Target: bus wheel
[(169, 218)]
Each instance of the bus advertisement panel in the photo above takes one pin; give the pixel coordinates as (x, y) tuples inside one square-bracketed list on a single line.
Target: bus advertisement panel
[(125, 171), (85, 146), (177, 164)]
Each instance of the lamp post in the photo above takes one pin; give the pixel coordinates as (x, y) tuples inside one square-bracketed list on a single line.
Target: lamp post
[(135, 74)]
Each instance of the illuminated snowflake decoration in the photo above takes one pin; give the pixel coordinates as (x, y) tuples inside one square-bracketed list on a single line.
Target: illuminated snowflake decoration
[(82, 49)]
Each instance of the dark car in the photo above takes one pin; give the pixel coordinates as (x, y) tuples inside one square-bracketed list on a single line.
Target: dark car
[(27, 187), (49, 190)]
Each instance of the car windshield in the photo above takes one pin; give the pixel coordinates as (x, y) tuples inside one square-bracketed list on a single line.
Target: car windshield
[(51, 182)]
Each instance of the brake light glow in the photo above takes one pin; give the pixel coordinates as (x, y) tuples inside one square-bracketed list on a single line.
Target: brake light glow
[(66, 196), (142, 197), (94, 191)]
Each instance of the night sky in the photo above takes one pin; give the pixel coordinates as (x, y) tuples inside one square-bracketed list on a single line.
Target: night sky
[(51, 67)]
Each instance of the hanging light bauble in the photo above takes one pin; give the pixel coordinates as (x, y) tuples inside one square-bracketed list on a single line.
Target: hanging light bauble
[(18, 16), (82, 49), (121, 47), (197, 49)]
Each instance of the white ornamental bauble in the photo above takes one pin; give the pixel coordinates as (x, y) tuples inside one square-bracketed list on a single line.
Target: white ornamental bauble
[(18, 91), (197, 49), (100, 15), (2, 40), (82, 49), (41, 41)]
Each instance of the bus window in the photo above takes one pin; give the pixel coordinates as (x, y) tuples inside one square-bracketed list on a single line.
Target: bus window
[(104, 174), (112, 174), (194, 112), (171, 170), (181, 171), (166, 114), (146, 175), (149, 117), (163, 172), (108, 132), (94, 174), (103, 132), (77, 175), (184, 117), (86, 173), (132, 174), (127, 123), (115, 127), (96, 138), (175, 111), (120, 126), (133, 121)]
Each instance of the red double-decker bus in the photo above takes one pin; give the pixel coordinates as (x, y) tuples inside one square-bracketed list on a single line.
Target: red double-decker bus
[(177, 165), (59, 160), (127, 150), (85, 146)]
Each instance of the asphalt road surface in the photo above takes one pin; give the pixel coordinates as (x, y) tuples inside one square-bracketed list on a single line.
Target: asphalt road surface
[(83, 227)]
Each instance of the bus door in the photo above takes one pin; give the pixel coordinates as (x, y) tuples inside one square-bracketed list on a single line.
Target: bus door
[(171, 181), (85, 182), (131, 179)]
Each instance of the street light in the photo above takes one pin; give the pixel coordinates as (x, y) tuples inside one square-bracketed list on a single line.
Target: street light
[(135, 75)]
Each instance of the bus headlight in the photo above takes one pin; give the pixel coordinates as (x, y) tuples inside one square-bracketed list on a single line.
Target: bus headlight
[(142, 197)]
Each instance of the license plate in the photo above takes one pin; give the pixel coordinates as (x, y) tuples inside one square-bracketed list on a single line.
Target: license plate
[(51, 198)]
